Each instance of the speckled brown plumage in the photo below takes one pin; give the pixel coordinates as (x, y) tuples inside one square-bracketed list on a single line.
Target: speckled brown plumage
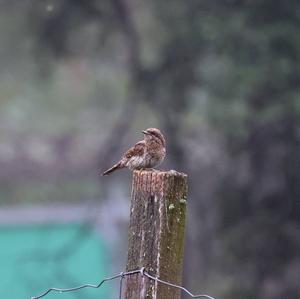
[(147, 153)]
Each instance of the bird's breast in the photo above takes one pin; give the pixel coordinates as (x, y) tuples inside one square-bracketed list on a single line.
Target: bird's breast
[(155, 154)]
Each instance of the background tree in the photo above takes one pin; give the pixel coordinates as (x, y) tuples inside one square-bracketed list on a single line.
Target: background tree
[(222, 81)]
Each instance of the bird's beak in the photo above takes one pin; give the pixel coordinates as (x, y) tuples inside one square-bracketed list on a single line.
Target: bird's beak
[(145, 132)]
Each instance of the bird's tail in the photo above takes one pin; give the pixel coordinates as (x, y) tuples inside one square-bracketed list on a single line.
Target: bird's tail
[(112, 169)]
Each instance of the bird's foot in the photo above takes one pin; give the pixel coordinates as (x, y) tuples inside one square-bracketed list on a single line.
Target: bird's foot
[(151, 169), (147, 169)]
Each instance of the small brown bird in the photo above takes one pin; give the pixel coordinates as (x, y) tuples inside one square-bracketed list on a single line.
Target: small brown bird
[(147, 153)]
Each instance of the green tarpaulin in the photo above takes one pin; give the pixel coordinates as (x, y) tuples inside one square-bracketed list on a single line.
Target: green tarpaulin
[(34, 258)]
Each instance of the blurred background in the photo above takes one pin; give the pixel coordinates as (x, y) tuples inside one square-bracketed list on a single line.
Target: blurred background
[(80, 79)]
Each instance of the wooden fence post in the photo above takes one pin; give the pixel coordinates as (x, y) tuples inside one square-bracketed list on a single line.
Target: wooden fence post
[(156, 233)]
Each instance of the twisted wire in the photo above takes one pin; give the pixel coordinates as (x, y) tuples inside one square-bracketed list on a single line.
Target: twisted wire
[(121, 276)]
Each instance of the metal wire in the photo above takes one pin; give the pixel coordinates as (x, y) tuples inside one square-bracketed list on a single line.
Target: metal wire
[(177, 287), (121, 276), (121, 286)]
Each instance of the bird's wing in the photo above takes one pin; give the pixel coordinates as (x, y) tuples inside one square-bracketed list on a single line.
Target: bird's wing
[(137, 150)]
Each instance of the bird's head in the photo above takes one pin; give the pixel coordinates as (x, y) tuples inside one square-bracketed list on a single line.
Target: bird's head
[(154, 134)]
